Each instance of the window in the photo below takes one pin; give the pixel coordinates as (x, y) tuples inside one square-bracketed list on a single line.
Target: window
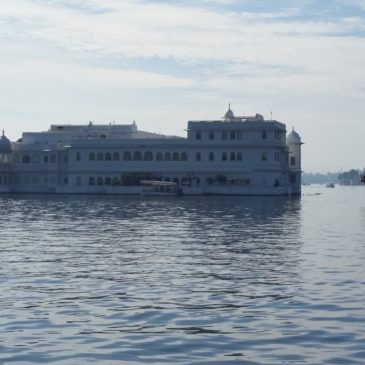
[(184, 156), (100, 156), (175, 156), (35, 157), (91, 181), (277, 156), (263, 134), (26, 159), (127, 156), (148, 156), (198, 156), (198, 135), (239, 156), (263, 156), (78, 180), (292, 178), (115, 181), (45, 159), (233, 156), (108, 181), (116, 156), (167, 156), (211, 135), (292, 160), (65, 158), (224, 156), (108, 156), (137, 156), (99, 181), (232, 134), (176, 180), (211, 156), (53, 158), (159, 156), (239, 134), (277, 135), (78, 156), (224, 134), (91, 156)]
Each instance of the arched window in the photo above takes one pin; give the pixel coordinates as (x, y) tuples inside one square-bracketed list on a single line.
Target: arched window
[(127, 156), (224, 156), (108, 181), (184, 156), (115, 181), (233, 156), (239, 156), (137, 156), (91, 156), (159, 156), (99, 181), (91, 181), (116, 156), (100, 156), (148, 156), (167, 156), (108, 156), (175, 156)]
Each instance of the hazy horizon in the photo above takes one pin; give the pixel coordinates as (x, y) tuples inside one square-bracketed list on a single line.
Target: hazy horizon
[(162, 63)]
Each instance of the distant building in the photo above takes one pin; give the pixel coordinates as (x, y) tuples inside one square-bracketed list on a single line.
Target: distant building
[(237, 155)]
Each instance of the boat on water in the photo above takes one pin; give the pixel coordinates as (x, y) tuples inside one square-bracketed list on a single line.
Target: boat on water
[(160, 188), (330, 185)]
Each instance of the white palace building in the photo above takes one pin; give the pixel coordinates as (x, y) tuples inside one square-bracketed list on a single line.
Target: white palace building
[(237, 155)]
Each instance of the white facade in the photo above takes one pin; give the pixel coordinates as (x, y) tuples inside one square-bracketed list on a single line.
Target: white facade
[(234, 156)]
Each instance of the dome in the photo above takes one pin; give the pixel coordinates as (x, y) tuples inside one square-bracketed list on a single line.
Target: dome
[(293, 137), (5, 142), (229, 114)]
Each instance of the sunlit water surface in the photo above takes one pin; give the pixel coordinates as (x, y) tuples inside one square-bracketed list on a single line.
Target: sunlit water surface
[(185, 280)]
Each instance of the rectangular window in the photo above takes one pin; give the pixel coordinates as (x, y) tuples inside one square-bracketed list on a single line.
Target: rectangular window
[(78, 156), (263, 156), (232, 135), (292, 160), (198, 156), (211, 135), (198, 135), (211, 156), (292, 178), (224, 134), (239, 134), (264, 135), (277, 156)]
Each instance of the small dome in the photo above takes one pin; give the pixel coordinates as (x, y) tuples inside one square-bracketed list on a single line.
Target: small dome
[(4, 142), (293, 137), (229, 114)]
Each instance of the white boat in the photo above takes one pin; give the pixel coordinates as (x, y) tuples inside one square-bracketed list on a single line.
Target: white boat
[(162, 188)]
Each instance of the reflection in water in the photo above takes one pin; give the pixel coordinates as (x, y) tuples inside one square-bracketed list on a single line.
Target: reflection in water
[(186, 280)]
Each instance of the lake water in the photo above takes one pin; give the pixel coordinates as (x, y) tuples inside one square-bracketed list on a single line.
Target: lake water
[(185, 280)]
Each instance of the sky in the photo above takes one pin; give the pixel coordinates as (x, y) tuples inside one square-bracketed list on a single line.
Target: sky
[(162, 63)]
